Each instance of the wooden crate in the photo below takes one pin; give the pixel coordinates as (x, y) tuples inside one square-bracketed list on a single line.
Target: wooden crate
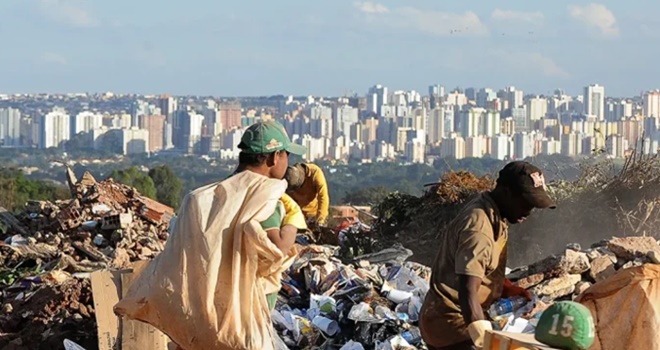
[(496, 340)]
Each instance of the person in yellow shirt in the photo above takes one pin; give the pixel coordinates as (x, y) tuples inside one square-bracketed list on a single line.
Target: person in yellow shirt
[(308, 187)]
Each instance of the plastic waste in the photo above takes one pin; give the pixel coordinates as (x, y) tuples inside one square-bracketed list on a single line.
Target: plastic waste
[(326, 325), (506, 306), (99, 239), (16, 240), (323, 303), (70, 345), (395, 295), (352, 345), (362, 313), (412, 336)]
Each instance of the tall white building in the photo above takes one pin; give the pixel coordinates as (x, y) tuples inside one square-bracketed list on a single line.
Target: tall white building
[(343, 118), (492, 123), (10, 127), (523, 145), (594, 101), (651, 104), (471, 120), (617, 110), (537, 108), (617, 146), (479, 121), (550, 146), (377, 98), (454, 146), (514, 97), (501, 146), (436, 127), (86, 121), (415, 148), (134, 141), (54, 129), (571, 144), (475, 147)]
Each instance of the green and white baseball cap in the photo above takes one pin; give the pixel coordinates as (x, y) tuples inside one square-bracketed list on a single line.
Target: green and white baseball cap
[(566, 325), (267, 137)]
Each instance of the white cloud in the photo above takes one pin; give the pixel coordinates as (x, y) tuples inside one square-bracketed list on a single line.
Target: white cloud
[(371, 7), (596, 16), (53, 58), (507, 15), (69, 12), (432, 22), (531, 63)]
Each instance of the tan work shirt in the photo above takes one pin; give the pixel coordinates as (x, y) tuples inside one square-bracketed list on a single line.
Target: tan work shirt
[(474, 245)]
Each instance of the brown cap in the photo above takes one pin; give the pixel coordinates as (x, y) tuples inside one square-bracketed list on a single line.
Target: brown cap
[(528, 181)]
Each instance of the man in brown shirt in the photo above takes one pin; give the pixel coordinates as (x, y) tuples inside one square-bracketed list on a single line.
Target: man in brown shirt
[(469, 271)]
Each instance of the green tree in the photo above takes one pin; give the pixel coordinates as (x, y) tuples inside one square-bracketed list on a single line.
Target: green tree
[(16, 190), (168, 185), (135, 178)]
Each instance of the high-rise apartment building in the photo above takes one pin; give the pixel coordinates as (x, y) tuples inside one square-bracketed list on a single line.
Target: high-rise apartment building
[(86, 121), (155, 125), (10, 127), (54, 129), (594, 101), (651, 104), (376, 99), (230, 115)]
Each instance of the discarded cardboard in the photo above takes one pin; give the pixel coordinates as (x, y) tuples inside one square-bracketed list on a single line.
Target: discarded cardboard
[(114, 333)]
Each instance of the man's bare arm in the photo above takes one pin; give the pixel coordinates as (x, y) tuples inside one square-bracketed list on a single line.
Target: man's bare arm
[(468, 289), (283, 238)]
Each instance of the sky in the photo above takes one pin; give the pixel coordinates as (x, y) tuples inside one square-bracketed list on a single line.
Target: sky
[(326, 47)]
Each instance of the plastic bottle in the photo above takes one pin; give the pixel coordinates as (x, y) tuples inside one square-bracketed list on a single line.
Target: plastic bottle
[(412, 336), (505, 306)]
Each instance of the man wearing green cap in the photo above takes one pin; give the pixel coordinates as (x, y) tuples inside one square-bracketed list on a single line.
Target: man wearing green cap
[(265, 147), (469, 270), (225, 254)]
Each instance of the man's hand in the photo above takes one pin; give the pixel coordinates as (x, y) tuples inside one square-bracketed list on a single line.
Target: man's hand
[(511, 290), (477, 331)]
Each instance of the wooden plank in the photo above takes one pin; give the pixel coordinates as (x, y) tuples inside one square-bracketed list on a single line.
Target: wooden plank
[(138, 335), (496, 340), (106, 288)]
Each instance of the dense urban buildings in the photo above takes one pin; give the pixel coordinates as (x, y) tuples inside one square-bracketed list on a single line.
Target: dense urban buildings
[(382, 125)]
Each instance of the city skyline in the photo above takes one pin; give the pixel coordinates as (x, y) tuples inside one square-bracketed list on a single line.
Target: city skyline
[(382, 125), (325, 48)]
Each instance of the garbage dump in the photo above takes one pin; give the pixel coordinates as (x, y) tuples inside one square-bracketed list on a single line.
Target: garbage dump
[(349, 288), (48, 250)]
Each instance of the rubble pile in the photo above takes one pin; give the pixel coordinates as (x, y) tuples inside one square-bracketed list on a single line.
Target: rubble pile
[(565, 276), (48, 250)]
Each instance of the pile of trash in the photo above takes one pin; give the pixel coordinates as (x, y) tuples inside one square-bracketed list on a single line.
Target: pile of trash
[(48, 250), (373, 301)]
